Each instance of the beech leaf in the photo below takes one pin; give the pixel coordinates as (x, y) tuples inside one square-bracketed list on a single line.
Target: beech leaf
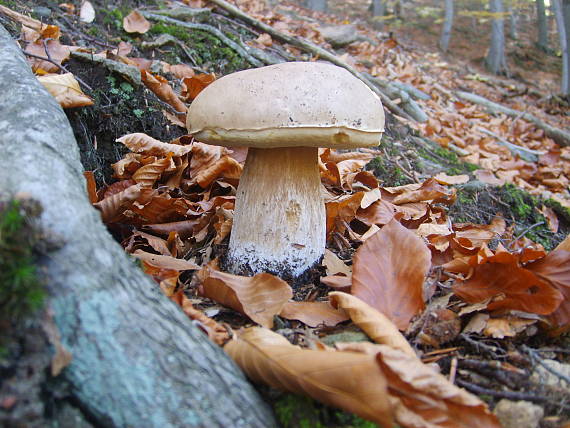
[(142, 143), (313, 313), (65, 89), (388, 273), (134, 22), (379, 328), (349, 380), (259, 297)]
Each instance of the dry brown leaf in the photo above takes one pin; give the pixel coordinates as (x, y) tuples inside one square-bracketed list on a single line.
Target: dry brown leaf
[(147, 175), (165, 262), (134, 22), (259, 297), (555, 268), (551, 218), (162, 89), (378, 213), (429, 190), (335, 265), (114, 205), (142, 143), (422, 398), (91, 186), (511, 286), (125, 167), (341, 211), (313, 313), (339, 282), (443, 178), (379, 328), (488, 177), (389, 271), (192, 86), (180, 71), (349, 380), (65, 89), (57, 52), (216, 332), (499, 328), (226, 167)]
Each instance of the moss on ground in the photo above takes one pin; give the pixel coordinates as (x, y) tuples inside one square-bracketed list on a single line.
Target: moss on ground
[(296, 411), (21, 292)]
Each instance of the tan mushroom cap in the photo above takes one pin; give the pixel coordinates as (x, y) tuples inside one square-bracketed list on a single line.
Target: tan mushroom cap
[(308, 104)]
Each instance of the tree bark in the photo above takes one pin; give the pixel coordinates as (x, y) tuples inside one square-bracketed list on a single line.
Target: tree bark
[(137, 360), (496, 61), (317, 5), (562, 15), (513, 22), (378, 11), (447, 26), (542, 41)]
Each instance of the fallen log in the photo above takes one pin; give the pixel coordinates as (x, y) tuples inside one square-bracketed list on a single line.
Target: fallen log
[(314, 49), (137, 360), (558, 135)]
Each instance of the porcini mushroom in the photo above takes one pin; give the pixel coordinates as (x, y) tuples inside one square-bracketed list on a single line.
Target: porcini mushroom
[(283, 113)]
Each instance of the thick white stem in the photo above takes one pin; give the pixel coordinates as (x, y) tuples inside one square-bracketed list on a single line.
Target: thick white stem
[(279, 220)]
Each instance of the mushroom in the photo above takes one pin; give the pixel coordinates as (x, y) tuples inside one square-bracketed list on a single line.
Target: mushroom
[(283, 113)]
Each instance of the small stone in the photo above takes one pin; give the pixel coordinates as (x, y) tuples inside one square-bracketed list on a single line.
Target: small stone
[(41, 12), (544, 377), (518, 414), (339, 35)]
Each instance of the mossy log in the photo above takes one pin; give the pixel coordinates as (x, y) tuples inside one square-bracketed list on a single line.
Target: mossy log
[(137, 361)]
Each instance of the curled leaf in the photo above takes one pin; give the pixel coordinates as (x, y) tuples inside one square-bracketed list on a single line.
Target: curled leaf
[(259, 297), (349, 380), (142, 143), (134, 22), (313, 313), (65, 89), (115, 204)]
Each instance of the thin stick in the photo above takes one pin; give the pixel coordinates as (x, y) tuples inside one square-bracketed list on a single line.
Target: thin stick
[(61, 67)]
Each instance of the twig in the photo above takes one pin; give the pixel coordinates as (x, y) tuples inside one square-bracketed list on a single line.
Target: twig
[(535, 357), (315, 50), (453, 370), (209, 29), (493, 350), (511, 395), (61, 67), (560, 136), (524, 232)]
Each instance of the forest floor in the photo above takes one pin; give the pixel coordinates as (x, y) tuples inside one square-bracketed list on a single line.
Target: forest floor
[(531, 195)]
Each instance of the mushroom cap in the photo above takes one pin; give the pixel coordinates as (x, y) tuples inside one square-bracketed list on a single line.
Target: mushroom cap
[(310, 104)]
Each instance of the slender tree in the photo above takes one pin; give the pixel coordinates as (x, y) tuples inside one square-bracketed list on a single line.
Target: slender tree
[(562, 15), (447, 26), (542, 41), (513, 21), (496, 60), (378, 8)]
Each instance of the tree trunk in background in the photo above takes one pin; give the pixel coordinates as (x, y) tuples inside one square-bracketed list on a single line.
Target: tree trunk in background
[(562, 15), (513, 22), (137, 360), (496, 61), (542, 41), (317, 5), (378, 11), (447, 26)]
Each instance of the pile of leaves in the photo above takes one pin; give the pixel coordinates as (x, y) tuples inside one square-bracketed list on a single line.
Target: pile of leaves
[(396, 265)]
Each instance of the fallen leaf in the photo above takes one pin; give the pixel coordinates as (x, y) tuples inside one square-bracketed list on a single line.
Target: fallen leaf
[(313, 314), (162, 89), (165, 262), (134, 22), (389, 271), (379, 328), (339, 282), (420, 397), (499, 328), (65, 89), (551, 218), (259, 297), (142, 143), (511, 286), (349, 380), (148, 174), (192, 86), (335, 265), (443, 178), (113, 205)]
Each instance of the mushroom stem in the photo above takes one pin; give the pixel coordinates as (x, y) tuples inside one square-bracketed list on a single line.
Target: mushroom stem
[(279, 220)]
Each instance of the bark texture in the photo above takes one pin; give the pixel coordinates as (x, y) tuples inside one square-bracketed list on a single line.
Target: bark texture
[(137, 360), (542, 35), (563, 24), (378, 8), (317, 5), (496, 61), (279, 220), (447, 26)]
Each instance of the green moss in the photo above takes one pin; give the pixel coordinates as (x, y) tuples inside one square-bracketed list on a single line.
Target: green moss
[(21, 293), (207, 50), (559, 209), (522, 204), (113, 18), (180, 33), (388, 172)]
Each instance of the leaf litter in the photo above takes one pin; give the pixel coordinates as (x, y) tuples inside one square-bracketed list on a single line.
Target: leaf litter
[(393, 250)]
